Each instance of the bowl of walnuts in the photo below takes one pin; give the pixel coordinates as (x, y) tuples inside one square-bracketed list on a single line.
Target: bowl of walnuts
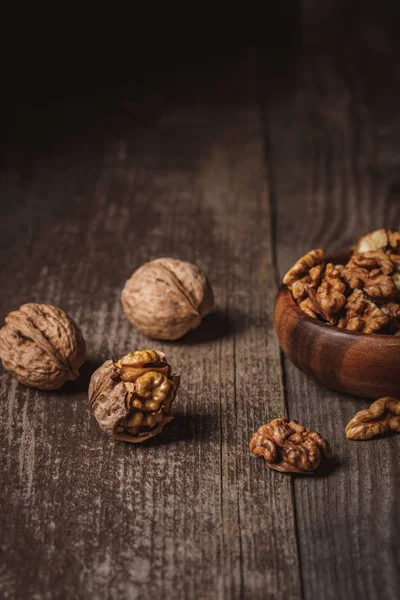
[(337, 318)]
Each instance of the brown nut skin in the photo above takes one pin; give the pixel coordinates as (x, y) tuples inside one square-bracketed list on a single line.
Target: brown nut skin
[(166, 298), (41, 346), (131, 399)]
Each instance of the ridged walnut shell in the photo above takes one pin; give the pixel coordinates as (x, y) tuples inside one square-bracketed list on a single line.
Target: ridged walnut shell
[(131, 399), (41, 346), (166, 298)]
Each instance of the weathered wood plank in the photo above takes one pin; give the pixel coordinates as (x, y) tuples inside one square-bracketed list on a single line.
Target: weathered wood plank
[(191, 514), (332, 122)]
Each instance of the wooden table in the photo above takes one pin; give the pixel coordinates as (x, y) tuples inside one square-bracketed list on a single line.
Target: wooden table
[(240, 166)]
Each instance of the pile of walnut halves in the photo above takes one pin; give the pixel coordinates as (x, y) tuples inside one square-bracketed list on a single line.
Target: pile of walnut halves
[(361, 295)]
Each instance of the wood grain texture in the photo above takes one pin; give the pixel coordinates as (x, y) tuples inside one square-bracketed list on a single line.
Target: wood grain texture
[(191, 514), (335, 157)]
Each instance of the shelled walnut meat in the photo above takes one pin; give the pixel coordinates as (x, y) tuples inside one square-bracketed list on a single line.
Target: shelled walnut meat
[(131, 398), (383, 415), (166, 298), (41, 346), (290, 447), (362, 295)]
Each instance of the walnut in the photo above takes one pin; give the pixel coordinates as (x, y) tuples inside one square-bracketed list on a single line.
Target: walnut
[(362, 314), (312, 280), (392, 310), (396, 280), (332, 295), (377, 240), (380, 287), (333, 275), (41, 346), (289, 447), (373, 260), (166, 298), (329, 297), (308, 307), (395, 260), (383, 415), (131, 398), (325, 292), (394, 239), (303, 266), (376, 284)]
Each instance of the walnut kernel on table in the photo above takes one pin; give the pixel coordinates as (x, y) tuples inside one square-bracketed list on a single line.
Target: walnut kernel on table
[(383, 415), (131, 398), (290, 447), (41, 346), (166, 298), (362, 295)]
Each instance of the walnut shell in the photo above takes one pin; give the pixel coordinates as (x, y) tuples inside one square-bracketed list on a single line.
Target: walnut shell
[(166, 298), (131, 399), (41, 346)]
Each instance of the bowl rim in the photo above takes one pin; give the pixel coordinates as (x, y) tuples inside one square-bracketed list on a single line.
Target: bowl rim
[(284, 291)]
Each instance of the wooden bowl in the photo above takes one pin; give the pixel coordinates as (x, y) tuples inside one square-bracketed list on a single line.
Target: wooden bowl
[(363, 364)]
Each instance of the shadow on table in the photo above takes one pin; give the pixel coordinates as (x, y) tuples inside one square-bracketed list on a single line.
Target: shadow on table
[(324, 470), (216, 325), (329, 466), (188, 426), (81, 384)]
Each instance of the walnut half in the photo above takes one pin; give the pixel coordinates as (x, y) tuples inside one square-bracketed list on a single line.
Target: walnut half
[(362, 314), (290, 447), (303, 267), (131, 399), (383, 415), (386, 239)]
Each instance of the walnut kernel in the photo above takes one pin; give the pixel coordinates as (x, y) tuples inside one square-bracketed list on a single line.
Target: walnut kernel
[(376, 284), (374, 260), (290, 447), (383, 415), (362, 314), (328, 299), (303, 266), (352, 296), (392, 310), (379, 239)]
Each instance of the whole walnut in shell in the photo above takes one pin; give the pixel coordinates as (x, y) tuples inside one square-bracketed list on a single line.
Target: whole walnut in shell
[(166, 298), (41, 346), (131, 399)]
